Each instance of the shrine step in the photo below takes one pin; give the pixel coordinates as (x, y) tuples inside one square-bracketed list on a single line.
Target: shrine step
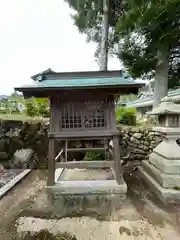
[(88, 187)]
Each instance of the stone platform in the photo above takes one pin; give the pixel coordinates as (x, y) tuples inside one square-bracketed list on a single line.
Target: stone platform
[(165, 185), (84, 190)]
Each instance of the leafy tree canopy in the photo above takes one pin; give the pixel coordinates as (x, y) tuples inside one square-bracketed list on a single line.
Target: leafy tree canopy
[(146, 27), (137, 28)]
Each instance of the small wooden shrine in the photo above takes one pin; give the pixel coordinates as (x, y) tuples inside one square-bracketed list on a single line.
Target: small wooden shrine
[(82, 106)]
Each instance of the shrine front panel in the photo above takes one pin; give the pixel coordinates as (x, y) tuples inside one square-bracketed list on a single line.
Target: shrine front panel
[(81, 116)]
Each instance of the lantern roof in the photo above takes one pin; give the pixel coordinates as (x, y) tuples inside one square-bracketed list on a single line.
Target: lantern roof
[(166, 107)]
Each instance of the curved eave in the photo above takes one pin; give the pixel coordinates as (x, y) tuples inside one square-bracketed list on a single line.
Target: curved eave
[(140, 104), (42, 88), (31, 91), (148, 103), (164, 112)]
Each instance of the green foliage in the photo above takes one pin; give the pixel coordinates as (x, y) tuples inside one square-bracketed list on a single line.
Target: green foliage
[(43, 107), (38, 107), (88, 17), (94, 156), (31, 109), (15, 111), (43, 111), (4, 111), (145, 27), (126, 116), (136, 30)]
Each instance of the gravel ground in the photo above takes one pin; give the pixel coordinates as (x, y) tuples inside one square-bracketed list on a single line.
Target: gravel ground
[(17, 199), (87, 228)]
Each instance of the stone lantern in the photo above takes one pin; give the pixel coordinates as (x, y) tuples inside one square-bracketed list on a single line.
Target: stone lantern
[(162, 170), (168, 114)]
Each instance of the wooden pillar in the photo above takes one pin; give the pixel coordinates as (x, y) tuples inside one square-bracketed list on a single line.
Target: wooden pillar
[(117, 160), (51, 162), (66, 152)]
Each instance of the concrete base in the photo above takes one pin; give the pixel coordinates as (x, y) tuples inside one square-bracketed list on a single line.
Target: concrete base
[(171, 181), (168, 149), (102, 204), (164, 194), (77, 196), (167, 166)]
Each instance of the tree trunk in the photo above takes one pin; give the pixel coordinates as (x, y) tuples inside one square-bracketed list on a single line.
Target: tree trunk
[(161, 77), (104, 40)]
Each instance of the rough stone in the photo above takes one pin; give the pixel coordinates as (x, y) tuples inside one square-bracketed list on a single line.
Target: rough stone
[(22, 158), (134, 140), (134, 144), (16, 136), (3, 156), (138, 135), (137, 145)]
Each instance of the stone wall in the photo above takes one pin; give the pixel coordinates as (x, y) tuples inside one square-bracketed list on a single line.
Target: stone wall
[(137, 144), (25, 145)]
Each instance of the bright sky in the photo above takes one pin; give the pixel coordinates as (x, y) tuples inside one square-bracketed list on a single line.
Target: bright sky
[(39, 34)]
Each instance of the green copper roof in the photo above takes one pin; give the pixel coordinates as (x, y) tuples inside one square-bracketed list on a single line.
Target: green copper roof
[(88, 82), (50, 80)]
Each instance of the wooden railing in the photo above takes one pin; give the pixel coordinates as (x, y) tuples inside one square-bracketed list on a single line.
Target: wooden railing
[(114, 152)]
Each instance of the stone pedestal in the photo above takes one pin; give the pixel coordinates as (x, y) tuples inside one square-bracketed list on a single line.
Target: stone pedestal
[(162, 170), (83, 196)]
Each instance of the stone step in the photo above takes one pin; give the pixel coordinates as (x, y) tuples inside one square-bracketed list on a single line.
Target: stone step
[(171, 181), (165, 165), (164, 194)]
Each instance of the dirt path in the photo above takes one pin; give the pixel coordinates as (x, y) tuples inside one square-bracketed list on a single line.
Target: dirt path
[(19, 198), (141, 207)]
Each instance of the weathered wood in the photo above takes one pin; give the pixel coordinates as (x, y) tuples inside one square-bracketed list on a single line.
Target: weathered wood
[(85, 164), (111, 153), (86, 149), (51, 162), (83, 135), (117, 161), (59, 154), (113, 117), (66, 152)]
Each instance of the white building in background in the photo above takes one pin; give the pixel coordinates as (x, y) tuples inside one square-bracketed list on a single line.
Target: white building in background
[(145, 99)]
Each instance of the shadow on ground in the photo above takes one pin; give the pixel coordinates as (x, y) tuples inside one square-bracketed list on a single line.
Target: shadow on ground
[(148, 205), (29, 199)]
